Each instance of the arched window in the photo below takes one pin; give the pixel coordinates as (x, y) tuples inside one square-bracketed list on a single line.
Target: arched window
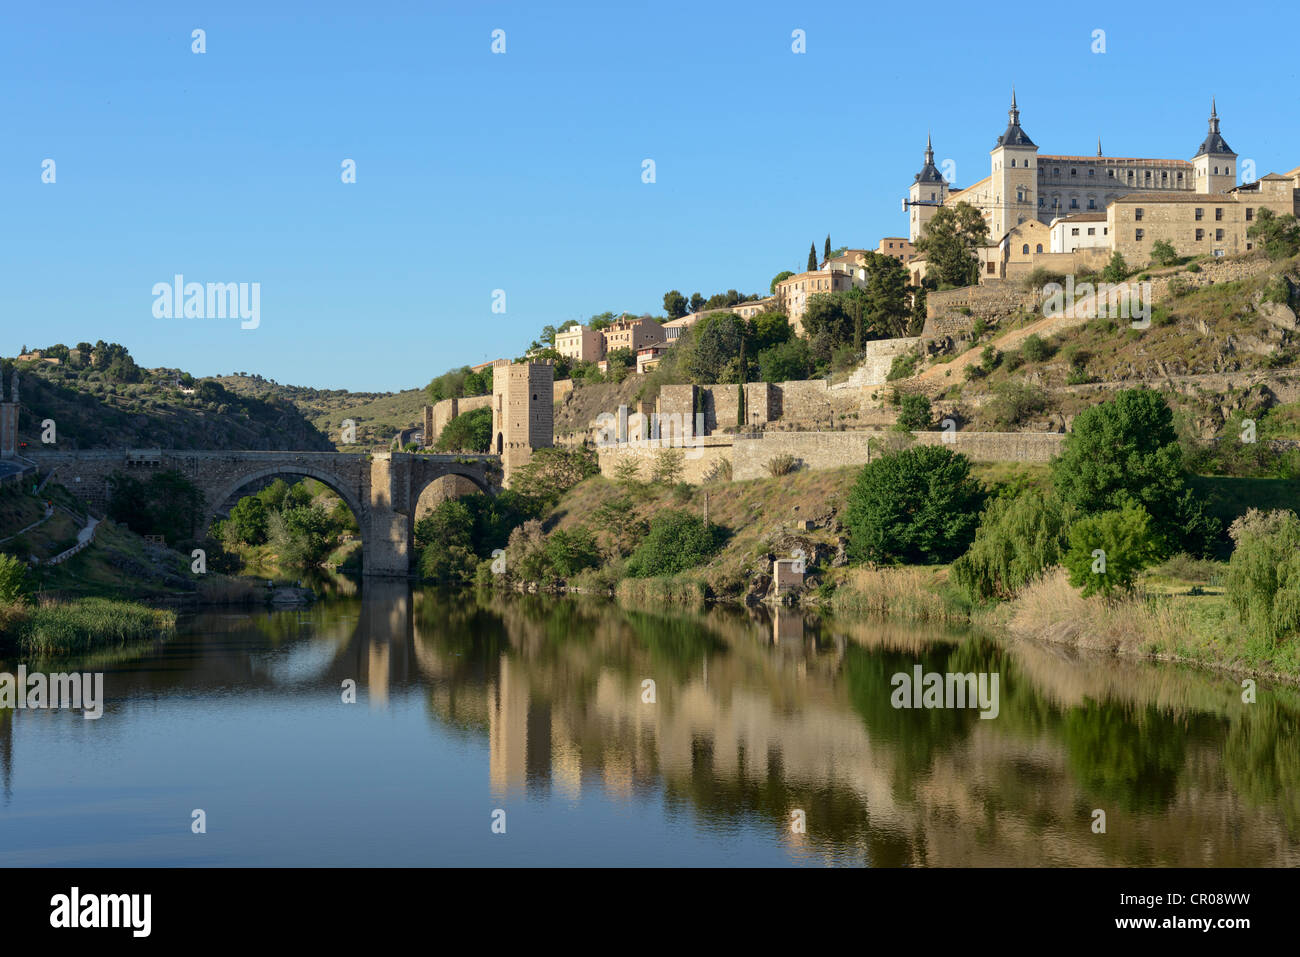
[(1040, 248), (1025, 249)]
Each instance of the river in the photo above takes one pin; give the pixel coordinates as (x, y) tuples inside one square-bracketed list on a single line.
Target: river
[(491, 730)]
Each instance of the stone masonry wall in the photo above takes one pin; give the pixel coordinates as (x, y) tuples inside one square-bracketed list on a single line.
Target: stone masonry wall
[(821, 450)]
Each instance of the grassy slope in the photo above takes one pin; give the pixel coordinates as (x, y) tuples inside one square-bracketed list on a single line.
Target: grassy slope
[(378, 415)]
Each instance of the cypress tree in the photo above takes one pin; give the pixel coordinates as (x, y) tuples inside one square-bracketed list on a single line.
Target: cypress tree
[(828, 247), (812, 257)]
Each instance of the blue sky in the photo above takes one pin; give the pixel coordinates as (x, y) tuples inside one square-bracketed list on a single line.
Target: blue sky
[(522, 171)]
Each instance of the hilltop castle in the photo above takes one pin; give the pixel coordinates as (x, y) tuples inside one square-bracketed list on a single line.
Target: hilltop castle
[(1066, 211), (1024, 185)]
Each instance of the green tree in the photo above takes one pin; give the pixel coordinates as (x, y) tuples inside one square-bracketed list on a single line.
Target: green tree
[(570, 552), (552, 472), (697, 302), (914, 413), (675, 304), (785, 362), (248, 521), (886, 296), (13, 581), (715, 341), (677, 541), (1279, 235), (949, 241), (468, 432), (1163, 254), (1108, 550), (1116, 270), (916, 324), (826, 252), (444, 541), (812, 257), (780, 277), (1263, 578), (1126, 450), (1019, 536), (920, 505)]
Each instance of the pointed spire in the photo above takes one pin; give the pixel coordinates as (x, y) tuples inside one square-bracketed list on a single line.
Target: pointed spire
[(1214, 142), (929, 173), (1014, 135)]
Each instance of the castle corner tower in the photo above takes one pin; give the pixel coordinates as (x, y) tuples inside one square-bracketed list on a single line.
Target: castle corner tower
[(926, 194), (1014, 177), (1215, 162)]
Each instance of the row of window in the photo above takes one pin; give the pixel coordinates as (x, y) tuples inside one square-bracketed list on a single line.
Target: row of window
[(1200, 213), (1200, 235)]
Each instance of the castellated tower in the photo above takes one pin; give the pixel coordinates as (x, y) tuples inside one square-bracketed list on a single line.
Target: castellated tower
[(1014, 177), (523, 412), (1215, 162)]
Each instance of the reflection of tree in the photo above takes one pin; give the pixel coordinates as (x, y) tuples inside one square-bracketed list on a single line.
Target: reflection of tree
[(917, 735), (1130, 755), (676, 644), (1262, 758)]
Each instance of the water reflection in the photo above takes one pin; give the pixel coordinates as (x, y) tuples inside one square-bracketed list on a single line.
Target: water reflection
[(755, 714)]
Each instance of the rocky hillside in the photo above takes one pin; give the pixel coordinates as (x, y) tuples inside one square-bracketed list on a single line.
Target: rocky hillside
[(90, 411)]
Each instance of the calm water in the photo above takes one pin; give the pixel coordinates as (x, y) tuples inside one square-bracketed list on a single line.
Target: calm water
[(469, 705)]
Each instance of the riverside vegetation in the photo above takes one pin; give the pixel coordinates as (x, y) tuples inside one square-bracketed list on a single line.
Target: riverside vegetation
[(1114, 546)]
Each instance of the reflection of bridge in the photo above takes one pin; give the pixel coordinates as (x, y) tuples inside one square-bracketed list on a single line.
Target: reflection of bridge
[(382, 488)]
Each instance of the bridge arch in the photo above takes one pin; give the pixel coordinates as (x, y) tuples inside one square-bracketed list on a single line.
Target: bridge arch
[(228, 490)]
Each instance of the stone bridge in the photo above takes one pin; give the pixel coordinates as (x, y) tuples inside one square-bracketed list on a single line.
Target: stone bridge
[(381, 488)]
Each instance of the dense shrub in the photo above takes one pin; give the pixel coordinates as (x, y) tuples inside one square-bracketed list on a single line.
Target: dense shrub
[(677, 540), (1019, 536), (1035, 349), (468, 432), (1108, 550), (902, 366), (444, 540), (919, 505), (914, 413), (13, 580), (783, 464), (552, 472)]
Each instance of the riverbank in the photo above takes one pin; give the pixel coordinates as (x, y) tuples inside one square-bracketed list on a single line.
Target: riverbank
[(53, 628), (1177, 612)]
